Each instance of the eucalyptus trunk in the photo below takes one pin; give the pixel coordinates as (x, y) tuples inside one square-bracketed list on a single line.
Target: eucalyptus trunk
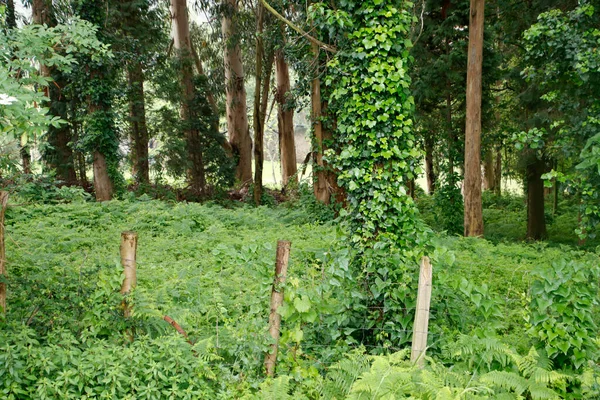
[(322, 193), (181, 41), (237, 118), (285, 121), (489, 173), (137, 123), (472, 182), (536, 221)]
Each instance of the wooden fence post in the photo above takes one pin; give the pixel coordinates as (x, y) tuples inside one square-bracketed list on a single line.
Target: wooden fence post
[(128, 261), (281, 265), (421, 326), (3, 274)]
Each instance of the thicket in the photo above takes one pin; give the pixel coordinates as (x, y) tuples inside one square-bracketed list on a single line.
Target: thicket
[(507, 319)]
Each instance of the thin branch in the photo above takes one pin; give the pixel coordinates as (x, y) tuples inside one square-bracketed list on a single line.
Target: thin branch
[(177, 327), (298, 29)]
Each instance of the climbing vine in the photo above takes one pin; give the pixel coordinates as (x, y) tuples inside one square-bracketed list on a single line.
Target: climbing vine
[(374, 107)]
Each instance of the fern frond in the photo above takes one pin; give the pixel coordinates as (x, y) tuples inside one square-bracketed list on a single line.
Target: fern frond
[(343, 374), (542, 392), (506, 380), (276, 389)]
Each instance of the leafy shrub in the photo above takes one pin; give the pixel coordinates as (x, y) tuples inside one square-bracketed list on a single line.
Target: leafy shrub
[(565, 304), (449, 207)]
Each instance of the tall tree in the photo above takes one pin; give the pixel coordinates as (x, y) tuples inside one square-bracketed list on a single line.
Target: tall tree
[(472, 181), (264, 66), (237, 116), (181, 40), (98, 90), (58, 155), (285, 119)]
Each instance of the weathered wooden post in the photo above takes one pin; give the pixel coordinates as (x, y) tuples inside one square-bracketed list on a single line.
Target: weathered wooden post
[(421, 326), (128, 261), (3, 274), (281, 265)]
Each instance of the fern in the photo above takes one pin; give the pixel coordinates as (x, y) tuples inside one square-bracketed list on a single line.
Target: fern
[(343, 374), (535, 377)]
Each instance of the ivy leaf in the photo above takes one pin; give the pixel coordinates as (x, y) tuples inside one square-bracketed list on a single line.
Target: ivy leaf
[(302, 304)]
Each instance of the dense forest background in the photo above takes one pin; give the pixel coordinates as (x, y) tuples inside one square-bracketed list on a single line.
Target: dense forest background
[(372, 134)]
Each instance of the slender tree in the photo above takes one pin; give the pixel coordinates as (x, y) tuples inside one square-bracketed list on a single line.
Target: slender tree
[(181, 37), (237, 117), (472, 182), (58, 155), (285, 119)]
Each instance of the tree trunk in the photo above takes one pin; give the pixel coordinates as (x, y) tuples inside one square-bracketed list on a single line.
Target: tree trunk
[(237, 118), (498, 171), (102, 183), (429, 168), (59, 156), (320, 188), (489, 182), (285, 121), (472, 182), (11, 20), (181, 41), (258, 117), (25, 158), (137, 122), (536, 222), (79, 157)]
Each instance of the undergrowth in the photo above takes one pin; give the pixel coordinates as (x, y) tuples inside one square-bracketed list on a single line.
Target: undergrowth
[(210, 269)]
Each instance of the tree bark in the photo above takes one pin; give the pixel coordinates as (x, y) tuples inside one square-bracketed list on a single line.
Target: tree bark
[(285, 121), (489, 174), (429, 167), (258, 116), (321, 191), (472, 182), (536, 222), (59, 156), (237, 118), (498, 171), (102, 183), (181, 41), (137, 123)]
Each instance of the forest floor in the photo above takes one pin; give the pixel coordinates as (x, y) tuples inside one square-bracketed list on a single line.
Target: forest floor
[(210, 268)]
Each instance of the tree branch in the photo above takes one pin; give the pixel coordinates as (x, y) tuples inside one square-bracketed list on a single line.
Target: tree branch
[(298, 29)]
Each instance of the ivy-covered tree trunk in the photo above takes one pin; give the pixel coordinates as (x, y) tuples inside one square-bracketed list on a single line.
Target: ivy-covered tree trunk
[(99, 134), (472, 180), (429, 167), (237, 117), (322, 193), (536, 221), (59, 155), (285, 121), (137, 123), (181, 41)]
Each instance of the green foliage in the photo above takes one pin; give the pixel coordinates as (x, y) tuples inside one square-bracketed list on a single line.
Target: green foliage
[(449, 207), (564, 302), (370, 79), (44, 189), (22, 115)]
